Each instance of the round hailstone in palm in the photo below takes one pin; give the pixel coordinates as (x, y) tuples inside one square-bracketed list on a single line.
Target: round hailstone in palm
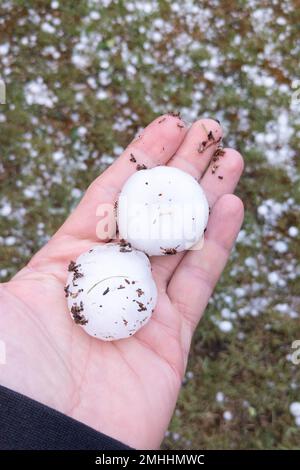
[(110, 291), (162, 211)]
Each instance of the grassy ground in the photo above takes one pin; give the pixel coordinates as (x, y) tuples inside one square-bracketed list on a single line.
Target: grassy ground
[(82, 78)]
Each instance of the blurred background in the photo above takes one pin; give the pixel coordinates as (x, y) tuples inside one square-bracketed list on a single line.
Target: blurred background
[(82, 78)]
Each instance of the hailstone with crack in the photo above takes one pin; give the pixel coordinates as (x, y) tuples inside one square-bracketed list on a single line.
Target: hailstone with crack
[(162, 211), (110, 291)]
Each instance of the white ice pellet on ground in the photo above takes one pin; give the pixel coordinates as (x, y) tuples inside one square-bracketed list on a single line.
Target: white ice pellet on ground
[(293, 231), (281, 282), (189, 374), (250, 262), (37, 92), (295, 408), (101, 95), (30, 191), (48, 28), (240, 292), (118, 150), (4, 48), (262, 210), (273, 278), (81, 131), (220, 397), (95, 15), (80, 61), (226, 313), (282, 308), (10, 241), (5, 210), (241, 236), (225, 326), (58, 155), (76, 193), (227, 415), (228, 299), (281, 247)]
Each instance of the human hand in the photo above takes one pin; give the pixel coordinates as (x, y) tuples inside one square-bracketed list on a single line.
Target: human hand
[(126, 389)]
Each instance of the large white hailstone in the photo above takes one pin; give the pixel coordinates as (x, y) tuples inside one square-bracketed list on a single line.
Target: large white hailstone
[(110, 291), (162, 211)]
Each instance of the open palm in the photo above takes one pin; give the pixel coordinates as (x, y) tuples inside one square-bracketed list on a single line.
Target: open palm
[(126, 389)]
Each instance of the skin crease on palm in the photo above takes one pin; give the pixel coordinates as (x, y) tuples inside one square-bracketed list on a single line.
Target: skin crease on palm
[(126, 389)]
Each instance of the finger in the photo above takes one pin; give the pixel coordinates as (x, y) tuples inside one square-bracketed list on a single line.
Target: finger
[(194, 280), (230, 167), (192, 156), (163, 268), (222, 175), (198, 147), (155, 146)]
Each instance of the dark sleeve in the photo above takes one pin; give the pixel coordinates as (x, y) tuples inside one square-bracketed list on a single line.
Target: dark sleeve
[(27, 424)]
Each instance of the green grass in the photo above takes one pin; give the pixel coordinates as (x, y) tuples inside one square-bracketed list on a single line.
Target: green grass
[(225, 51)]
